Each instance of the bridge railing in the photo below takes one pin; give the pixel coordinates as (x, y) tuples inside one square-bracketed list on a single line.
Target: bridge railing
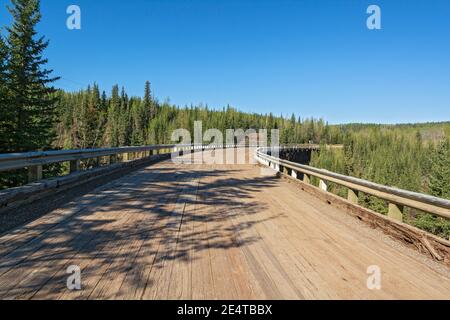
[(34, 161), (396, 198)]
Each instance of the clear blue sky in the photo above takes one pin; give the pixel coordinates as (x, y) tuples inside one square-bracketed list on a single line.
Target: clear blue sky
[(313, 57)]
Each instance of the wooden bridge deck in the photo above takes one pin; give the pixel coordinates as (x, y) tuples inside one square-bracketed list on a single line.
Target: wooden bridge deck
[(208, 232)]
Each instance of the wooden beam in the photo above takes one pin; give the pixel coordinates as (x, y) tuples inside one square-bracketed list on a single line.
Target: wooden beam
[(294, 174), (395, 211), (113, 159), (34, 173), (74, 166), (306, 178), (352, 196), (323, 185)]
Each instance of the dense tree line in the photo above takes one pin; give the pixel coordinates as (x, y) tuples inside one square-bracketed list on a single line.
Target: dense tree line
[(411, 157), (92, 119)]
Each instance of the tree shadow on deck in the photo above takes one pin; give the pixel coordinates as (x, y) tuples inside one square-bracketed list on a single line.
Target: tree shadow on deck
[(134, 227)]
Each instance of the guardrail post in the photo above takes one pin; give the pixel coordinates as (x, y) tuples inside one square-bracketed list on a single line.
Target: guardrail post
[(34, 173), (352, 196), (294, 174), (74, 166), (323, 185), (126, 156), (306, 178), (395, 211), (113, 159)]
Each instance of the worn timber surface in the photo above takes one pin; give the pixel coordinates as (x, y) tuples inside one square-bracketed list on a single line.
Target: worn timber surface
[(173, 231)]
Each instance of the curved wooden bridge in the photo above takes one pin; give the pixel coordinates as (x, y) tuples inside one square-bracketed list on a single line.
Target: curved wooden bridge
[(196, 231)]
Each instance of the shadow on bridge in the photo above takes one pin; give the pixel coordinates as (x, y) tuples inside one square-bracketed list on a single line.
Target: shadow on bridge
[(132, 235)]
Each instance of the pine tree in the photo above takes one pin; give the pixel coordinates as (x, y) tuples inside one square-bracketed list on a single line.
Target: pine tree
[(28, 79)]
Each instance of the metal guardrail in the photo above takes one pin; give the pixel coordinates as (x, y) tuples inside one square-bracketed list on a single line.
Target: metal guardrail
[(35, 160), (13, 161), (397, 198)]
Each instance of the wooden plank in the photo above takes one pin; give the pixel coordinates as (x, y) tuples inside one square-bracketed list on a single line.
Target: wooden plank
[(212, 245), (159, 279), (113, 280), (77, 235), (100, 267), (180, 285)]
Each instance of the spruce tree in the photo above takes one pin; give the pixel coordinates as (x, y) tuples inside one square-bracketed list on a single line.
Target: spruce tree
[(6, 119), (112, 132), (149, 106), (31, 96), (125, 125)]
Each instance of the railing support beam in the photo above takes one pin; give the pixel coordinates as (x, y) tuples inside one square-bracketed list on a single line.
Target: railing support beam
[(395, 211), (74, 166), (353, 196), (113, 159), (34, 173), (323, 185), (306, 178)]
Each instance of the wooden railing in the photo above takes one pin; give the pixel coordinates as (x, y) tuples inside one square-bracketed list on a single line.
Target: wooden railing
[(397, 198)]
